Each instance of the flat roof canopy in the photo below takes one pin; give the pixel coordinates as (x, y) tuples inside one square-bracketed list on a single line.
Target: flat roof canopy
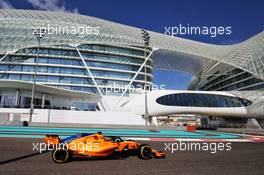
[(48, 90)]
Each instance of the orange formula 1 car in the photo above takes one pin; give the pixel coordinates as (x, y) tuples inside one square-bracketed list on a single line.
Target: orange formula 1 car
[(96, 146)]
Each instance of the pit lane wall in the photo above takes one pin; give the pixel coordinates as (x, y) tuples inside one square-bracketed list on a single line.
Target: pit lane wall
[(9, 115)]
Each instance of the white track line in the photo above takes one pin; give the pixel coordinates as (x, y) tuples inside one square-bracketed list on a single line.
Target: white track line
[(195, 140)]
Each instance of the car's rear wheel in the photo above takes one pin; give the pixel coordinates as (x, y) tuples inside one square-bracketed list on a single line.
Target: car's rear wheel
[(61, 155), (145, 152)]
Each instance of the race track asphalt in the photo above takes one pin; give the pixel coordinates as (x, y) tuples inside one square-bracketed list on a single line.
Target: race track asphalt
[(17, 157)]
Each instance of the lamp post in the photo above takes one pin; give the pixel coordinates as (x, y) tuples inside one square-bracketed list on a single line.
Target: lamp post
[(39, 33), (146, 38)]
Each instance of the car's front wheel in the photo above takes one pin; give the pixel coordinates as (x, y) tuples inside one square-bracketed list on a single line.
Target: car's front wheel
[(61, 155), (145, 152)]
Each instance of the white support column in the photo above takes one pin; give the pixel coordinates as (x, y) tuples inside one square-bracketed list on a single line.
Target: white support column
[(253, 123), (154, 121), (104, 104), (133, 79), (1, 59), (43, 100), (17, 98)]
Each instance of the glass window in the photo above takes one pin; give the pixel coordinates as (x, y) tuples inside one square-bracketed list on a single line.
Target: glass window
[(78, 71), (42, 69), (67, 62), (76, 80), (42, 60), (219, 101), (3, 76), (184, 99), (8, 101), (14, 76), (54, 70), (28, 68), (4, 68), (65, 80), (77, 62), (53, 79), (26, 77), (211, 100), (54, 61), (202, 100), (167, 100), (41, 78), (15, 68), (64, 70), (76, 88), (33, 51)]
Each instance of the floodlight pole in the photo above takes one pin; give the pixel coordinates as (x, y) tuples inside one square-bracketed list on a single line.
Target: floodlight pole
[(145, 36), (145, 90), (38, 34)]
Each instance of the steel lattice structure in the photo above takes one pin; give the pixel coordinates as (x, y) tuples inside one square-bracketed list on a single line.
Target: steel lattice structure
[(174, 53)]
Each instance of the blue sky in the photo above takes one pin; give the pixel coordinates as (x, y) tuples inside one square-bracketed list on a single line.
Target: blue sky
[(244, 16)]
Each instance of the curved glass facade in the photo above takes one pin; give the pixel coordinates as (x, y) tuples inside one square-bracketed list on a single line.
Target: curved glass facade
[(234, 79), (62, 67), (202, 100)]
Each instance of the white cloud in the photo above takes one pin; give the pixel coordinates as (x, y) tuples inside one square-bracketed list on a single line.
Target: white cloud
[(5, 4), (51, 5)]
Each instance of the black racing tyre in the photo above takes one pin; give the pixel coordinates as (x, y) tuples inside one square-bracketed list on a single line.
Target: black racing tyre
[(145, 152), (61, 155)]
